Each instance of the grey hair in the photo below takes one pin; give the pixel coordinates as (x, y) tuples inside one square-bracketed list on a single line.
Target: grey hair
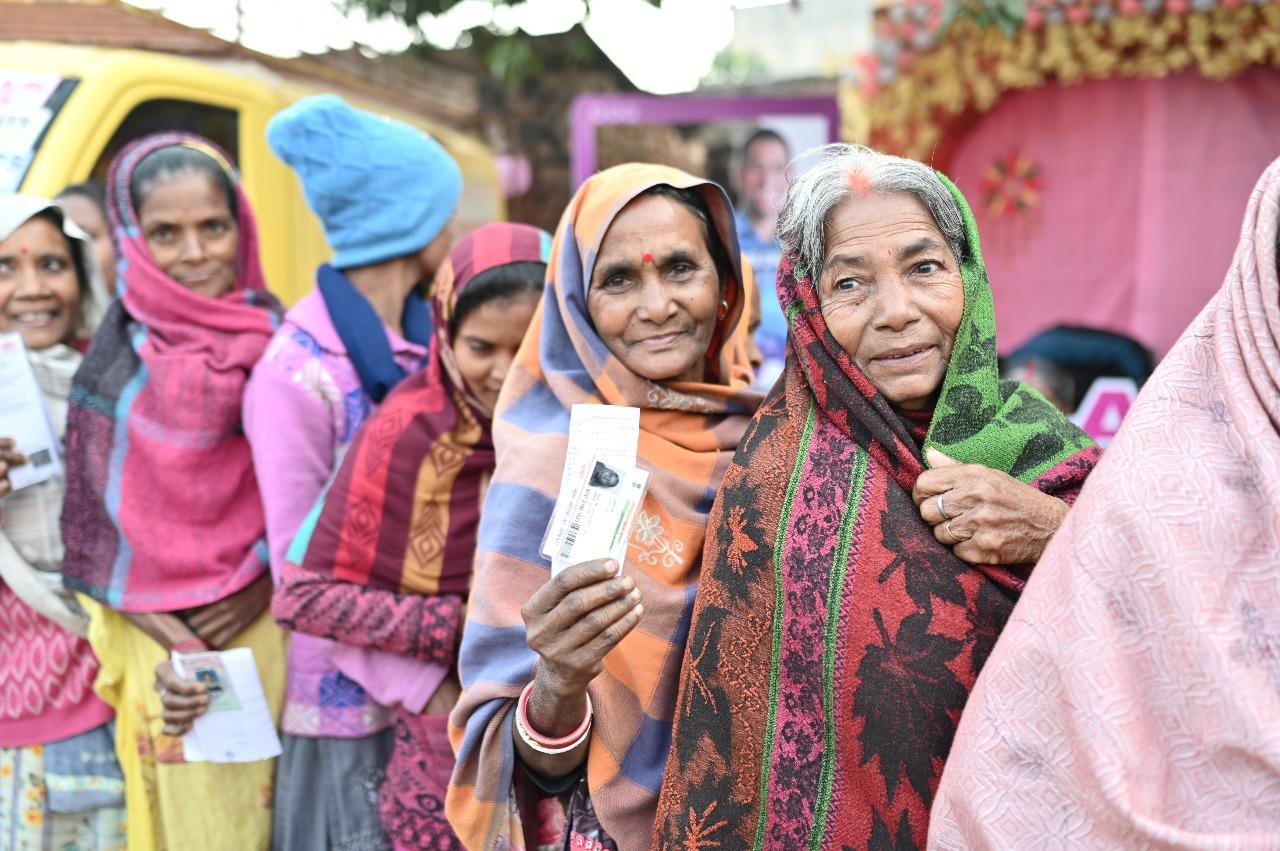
[(802, 222)]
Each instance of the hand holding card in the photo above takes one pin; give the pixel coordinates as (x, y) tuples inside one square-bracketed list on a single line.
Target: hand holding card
[(237, 726), (574, 620)]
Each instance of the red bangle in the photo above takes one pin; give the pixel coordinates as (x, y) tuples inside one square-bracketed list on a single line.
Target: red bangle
[(190, 645), (522, 707)]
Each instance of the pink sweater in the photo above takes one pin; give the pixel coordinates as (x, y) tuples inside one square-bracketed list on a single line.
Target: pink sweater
[(303, 405), (46, 679)]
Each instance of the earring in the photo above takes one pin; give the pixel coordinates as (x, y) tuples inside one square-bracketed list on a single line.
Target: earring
[(723, 310)]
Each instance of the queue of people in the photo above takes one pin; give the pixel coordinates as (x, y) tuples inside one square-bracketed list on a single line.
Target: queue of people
[(818, 578)]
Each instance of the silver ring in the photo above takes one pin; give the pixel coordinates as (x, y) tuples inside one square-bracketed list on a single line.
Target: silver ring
[(163, 691), (942, 509)]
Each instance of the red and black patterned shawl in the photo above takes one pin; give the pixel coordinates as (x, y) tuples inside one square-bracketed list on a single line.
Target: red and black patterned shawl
[(835, 640), (403, 509)]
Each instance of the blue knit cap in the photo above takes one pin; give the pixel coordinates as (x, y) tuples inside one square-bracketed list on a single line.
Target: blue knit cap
[(381, 188)]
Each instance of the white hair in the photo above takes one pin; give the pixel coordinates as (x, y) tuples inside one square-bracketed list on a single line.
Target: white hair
[(802, 222)]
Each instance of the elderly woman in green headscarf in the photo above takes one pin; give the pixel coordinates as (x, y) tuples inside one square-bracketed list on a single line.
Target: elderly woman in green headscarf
[(876, 527)]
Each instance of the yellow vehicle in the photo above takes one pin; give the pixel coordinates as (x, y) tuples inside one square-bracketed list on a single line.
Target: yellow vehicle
[(66, 110)]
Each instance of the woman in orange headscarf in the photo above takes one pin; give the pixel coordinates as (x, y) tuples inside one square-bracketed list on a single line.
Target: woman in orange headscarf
[(644, 307)]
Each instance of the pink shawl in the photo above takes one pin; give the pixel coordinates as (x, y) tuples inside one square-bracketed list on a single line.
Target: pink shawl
[(162, 511), (1133, 701)]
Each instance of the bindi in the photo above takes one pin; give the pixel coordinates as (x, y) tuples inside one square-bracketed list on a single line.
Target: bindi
[(22, 249), (648, 258)]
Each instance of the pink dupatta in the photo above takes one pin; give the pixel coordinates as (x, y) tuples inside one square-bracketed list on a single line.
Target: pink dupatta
[(162, 509), (1133, 701)]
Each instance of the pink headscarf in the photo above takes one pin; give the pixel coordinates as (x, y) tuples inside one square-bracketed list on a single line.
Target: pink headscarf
[(1133, 701), (162, 511)]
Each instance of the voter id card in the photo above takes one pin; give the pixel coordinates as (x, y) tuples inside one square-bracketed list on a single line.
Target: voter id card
[(208, 670), (597, 522)]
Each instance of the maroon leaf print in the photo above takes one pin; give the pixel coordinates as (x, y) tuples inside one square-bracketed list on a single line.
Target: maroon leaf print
[(928, 568), (907, 696), (882, 840)]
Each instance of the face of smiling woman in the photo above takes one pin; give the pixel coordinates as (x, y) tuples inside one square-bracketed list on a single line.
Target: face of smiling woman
[(655, 291), (892, 295), (191, 233), (39, 290)]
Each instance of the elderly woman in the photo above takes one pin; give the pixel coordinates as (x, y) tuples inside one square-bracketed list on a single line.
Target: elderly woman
[(1133, 702), (569, 681), (850, 597)]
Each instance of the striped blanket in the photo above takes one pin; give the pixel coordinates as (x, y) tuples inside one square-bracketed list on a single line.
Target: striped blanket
[(688, 432)]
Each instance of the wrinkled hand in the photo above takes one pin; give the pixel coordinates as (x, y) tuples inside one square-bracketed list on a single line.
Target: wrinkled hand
[(994, 518), (8, 458), (218, 623), (575, 619), (184, 701)]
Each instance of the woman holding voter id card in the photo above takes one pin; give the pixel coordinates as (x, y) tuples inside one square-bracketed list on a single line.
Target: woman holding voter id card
[(60, 786), (569, 667), (163, 523)]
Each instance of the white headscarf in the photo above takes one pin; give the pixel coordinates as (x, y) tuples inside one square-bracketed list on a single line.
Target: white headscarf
[(17, 210)]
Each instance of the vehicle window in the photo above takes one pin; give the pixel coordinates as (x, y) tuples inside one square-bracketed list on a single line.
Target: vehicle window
[(214, 123), (28, 103)]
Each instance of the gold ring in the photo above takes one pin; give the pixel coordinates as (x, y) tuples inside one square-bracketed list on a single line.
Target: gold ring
[(954, 538)]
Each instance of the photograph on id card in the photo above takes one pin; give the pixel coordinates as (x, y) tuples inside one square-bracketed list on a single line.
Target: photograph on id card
[(208, 670), (600, 519)]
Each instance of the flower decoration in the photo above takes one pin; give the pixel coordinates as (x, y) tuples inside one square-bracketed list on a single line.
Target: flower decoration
[(1011, 184), (933, 61)]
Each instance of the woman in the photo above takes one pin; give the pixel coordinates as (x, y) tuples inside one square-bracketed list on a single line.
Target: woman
[(836, 634), (416, 475), (1132, 703), (162, 520), (645, 307), (86, 205), (338, 354), (60, 786)]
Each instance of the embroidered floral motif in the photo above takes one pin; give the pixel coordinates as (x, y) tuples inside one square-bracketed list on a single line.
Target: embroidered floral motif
[(648, 529), (655, 548), (314, 378), (667, 399)]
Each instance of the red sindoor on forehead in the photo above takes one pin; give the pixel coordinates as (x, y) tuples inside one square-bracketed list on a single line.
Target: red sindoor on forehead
[(859, 184)]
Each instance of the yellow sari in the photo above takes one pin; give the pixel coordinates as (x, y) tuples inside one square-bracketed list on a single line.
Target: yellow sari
[(172, 804)]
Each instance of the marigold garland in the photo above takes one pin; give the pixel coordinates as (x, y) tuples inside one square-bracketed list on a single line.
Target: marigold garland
[(972, 57)]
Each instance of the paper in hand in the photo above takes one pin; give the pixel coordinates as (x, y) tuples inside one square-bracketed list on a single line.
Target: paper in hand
[(23, 417), (604, 434), (238, 726)]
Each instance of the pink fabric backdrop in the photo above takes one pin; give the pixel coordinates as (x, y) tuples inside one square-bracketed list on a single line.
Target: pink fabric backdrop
[(1142, 186)]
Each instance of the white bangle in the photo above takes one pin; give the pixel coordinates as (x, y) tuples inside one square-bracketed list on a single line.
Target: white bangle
[(535, 745)]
